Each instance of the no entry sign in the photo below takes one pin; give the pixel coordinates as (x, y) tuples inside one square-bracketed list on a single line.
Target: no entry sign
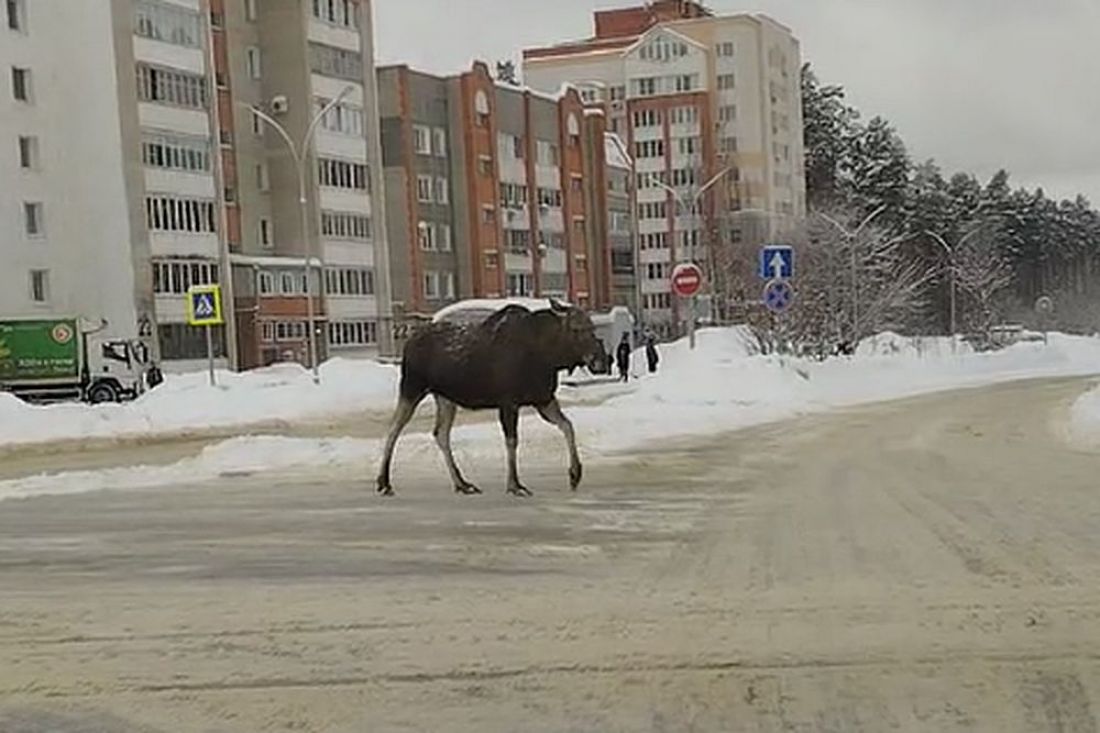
[(687, 280)]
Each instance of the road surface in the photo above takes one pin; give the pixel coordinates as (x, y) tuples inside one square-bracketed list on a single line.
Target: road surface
[(930, 565)]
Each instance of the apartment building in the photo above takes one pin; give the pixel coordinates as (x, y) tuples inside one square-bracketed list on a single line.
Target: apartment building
[(695, 96), (490, 190), (141, 170)]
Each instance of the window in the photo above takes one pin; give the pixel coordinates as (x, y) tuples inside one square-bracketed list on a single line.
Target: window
[(251, 10), (290, 284), (252, 54), (290, 331), (425, 235), (21, 84), (335, 173), (547, 153), (725, 48), (513, 195), (644, 87), (335, 62), (352, 333), (690, 145), (175, 277), (520, 284), (439, 142), (169, 213), (431, 285), (684, 115), (168, 23), (448, 282), (175, 152), (349, 281), (576, 182), (263, 177), (653, 210), (517, 241), (553, 240), (725, 81), (647, 118), (266, 240), (485, 165), (442, 191), (685, 82), (257, 124), (342, 13), (345, 225), (481, 108), (488, 214), (267, 283), (622, 263), (655, 240), (422, 140), (33, 223), (179, 341), (16, 14), (510, 146), (424, 189), (343, 118), (444, 238), (729, 144), (167, 86), (28, 152), (40, 286), (727, 113), (649, 149), (550, 198)]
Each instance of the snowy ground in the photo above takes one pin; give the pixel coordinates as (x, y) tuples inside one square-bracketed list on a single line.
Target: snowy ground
[(1084, 421), (718, 387)]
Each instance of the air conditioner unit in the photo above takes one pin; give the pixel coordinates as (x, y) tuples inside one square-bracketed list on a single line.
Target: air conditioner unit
[(280, 105)]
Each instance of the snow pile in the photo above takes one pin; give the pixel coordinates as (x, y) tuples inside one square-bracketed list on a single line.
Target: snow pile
[(187, 403), (1084, 419)]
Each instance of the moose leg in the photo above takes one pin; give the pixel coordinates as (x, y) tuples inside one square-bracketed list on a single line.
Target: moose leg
[(445, 412), (551, 413), (406, 408), (509, 421)]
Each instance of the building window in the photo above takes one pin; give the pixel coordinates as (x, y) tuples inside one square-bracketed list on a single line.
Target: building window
[(257, 125), (263, 177), (431, 286), (266, 239), (344, 334), (439, 140), (291, 331), (550, 198), (726, 81), (176, 277), (343, 118), (577, 182), (690, 146), (335, 62), (346, 225), (488, 214), (517, 241), (684, 115), (520, 284), (21, 84), (442, 191), (644, 87), (649, 149), (252, 54), (443, 235), (343, 13), (33, 219), (727, 113), (349, 281), (167, 86), (685, 82), (40, 286), (422, 140), (511, 146), (251, 10), (622, 263), (481, 108), (647, 118), (425, 235), (168, 23), (28, 152), (513, 195), (175, 152), (485, 165), (729, 144), (266, 283), (345, 174), (424, 189), (548, 154), (725, 48), (16, 14), (168, 213)]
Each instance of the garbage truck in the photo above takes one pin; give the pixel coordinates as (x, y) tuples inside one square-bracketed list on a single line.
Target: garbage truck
[(56, 359)]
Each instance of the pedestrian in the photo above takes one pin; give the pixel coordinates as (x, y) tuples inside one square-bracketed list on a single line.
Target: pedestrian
[(622, 357), (651, 352)]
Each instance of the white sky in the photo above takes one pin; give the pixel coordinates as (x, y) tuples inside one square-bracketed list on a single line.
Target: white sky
[(976, 84)]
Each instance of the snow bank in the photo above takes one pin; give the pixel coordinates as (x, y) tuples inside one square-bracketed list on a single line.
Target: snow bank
[(1084, 419), (186, 403)]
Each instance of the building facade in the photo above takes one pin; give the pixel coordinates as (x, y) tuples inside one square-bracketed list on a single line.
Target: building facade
[(185, 184), (699, 99), (493, 190)]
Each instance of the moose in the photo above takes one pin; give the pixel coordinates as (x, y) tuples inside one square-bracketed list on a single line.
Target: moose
[(508, 361)]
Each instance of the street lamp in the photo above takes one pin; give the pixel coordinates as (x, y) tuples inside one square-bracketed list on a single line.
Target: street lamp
[(299, 153), (632, 190), (693, 209), (953, 268), (852, 237)]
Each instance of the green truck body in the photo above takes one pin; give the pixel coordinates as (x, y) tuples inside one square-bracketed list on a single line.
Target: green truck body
[(47, 350)]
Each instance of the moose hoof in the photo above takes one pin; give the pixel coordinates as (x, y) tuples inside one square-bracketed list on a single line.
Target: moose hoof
[(520, 491), (575, 473), (467, 489), (385, 489)]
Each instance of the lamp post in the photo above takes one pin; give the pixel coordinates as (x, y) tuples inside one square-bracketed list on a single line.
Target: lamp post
[(852, 237), (299, 154), (953, 268), (693, 209), (632, 190)]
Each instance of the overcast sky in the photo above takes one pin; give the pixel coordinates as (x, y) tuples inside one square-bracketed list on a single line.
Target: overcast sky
[(976, 84)]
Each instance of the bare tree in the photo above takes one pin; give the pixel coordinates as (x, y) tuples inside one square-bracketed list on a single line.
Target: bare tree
[(983, 274)]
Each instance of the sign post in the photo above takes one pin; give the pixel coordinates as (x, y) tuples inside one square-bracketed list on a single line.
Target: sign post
[(204, 308), (777, 269), (687, 281), (1044, 306)]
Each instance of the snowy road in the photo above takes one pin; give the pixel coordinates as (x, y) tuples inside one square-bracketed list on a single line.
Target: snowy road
[(931, 564)]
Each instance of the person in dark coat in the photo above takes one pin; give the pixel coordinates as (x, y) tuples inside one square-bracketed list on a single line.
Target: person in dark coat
[(651, 352), (622, 357)]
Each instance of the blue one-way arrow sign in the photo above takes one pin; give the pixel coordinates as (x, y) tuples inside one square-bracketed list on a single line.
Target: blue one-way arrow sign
[(777, 262)]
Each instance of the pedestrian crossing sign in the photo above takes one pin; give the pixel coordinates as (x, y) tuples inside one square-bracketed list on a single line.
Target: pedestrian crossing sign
[(204, 305)]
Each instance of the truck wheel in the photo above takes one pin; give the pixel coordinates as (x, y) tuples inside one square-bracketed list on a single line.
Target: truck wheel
[(101, 393)]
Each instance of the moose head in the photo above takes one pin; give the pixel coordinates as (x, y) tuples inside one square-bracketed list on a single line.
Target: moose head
[(577, 342)]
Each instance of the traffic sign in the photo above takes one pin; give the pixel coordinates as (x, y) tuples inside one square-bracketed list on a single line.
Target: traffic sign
[(687, 280), (777, 262), (204, 305), (778, 296)]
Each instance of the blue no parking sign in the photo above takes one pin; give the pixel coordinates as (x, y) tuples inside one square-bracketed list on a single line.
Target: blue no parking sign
[(778, 296)]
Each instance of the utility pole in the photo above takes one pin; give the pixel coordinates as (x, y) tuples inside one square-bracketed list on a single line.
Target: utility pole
[(853, 238)]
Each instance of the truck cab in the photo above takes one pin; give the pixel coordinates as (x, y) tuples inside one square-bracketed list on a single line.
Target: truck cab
[(118, 371)]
